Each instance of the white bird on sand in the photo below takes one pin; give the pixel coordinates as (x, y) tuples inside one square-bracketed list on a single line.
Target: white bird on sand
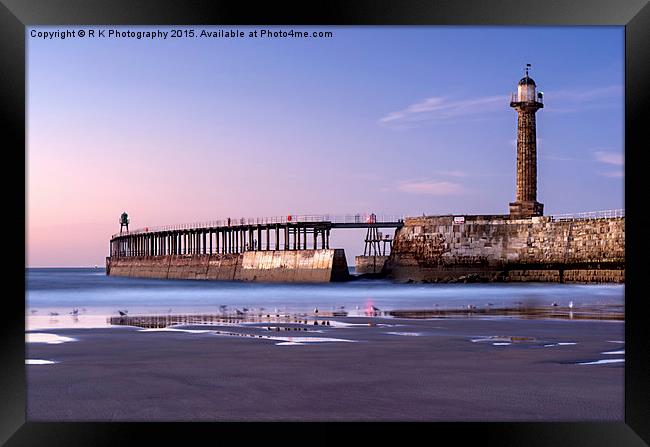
[(570, 304)]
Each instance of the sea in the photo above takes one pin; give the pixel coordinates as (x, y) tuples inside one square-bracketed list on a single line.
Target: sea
[(53, 294)]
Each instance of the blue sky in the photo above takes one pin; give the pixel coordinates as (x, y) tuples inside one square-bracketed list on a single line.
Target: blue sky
[(406, 120)]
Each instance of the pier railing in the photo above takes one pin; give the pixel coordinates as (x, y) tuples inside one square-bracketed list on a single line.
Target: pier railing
[(301, 218), (358, 218), (605, 214)]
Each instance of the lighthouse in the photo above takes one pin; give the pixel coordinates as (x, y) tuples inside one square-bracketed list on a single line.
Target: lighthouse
[(526, 101)]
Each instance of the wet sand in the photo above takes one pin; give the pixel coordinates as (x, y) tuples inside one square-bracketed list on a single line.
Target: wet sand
[(461, 369)]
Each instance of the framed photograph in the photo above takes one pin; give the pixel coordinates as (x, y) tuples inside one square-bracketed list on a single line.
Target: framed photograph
[(360, 213)]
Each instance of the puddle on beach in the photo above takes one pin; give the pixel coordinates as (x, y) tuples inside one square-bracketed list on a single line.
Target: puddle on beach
[(50, 339), (502, 339), (621, 352), (41, 322), (602, 362), (282, 341), (406, 334), (305, 340), (171, 329), (39, 362)]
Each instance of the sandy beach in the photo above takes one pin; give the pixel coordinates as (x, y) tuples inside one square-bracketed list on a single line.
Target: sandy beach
[(362, 369)]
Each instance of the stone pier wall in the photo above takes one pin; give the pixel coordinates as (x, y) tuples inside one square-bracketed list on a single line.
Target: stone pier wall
[(496, 248), (369, 264), (267, 266)]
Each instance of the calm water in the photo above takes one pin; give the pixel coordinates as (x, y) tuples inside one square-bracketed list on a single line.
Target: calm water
[(94, 293)]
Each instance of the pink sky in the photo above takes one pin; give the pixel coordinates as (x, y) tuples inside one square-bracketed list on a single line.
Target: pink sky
[(391, 120)]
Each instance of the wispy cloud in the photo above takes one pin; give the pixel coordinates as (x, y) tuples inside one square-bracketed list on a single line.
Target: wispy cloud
[(599, 158), (586, 95), (434, 188), (453, 173), (610, 158), (579, 99), (440, 108)]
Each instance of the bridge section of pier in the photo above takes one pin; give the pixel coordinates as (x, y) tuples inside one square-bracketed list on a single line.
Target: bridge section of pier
[(238, 235)]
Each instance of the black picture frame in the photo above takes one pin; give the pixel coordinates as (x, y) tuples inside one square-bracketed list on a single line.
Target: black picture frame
[(16, 15)]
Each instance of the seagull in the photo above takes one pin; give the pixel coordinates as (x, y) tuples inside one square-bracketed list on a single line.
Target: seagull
[(74, 312), (34, 311), (239, 312), (54, 313), (570, 304), (123, 313), (245, 309), (471, 306), (554, 304)]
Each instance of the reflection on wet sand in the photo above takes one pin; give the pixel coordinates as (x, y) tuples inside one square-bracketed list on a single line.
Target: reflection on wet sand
[(605, 312)]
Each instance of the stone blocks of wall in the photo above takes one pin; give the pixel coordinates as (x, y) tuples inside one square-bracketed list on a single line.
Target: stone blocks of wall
[(287, 266), (533, 275), (188, 267), (428, 248), (593, 275), (369, 264), (223, 267), (268, 266), (143, 266)]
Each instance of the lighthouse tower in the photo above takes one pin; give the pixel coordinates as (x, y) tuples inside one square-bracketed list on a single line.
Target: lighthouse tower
[(526, 102)]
